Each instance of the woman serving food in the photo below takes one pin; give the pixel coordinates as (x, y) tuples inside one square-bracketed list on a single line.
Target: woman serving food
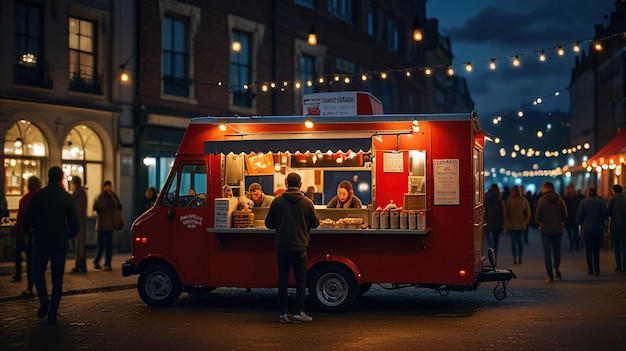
[(345, 197)]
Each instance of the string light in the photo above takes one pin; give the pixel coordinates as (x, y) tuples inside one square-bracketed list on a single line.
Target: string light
[(468, 67), (450, 71), (560, 51), (364, 77), (516, 61), (428, 71), (383, 75), (542, 56), (597, 45), (492, 65), (576, 48)]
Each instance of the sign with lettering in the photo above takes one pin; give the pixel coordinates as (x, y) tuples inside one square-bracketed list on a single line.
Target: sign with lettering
[(446, 181)]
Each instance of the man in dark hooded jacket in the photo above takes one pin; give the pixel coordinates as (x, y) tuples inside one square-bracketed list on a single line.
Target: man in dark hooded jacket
[(292, 214), (550, 216)]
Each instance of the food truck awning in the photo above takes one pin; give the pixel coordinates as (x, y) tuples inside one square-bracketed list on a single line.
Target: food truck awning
[(611, 152), (286, 145)]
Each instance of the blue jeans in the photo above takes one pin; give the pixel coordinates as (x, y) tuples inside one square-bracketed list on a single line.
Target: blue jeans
[(493, 239), (593, 242), (56, 256), (574, 237), (619, 244), (105, 242), (286, 260), (516, 243), (551, 247)]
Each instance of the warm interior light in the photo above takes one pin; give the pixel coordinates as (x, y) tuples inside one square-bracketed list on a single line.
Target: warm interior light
[(462, 273), (378, 138), (308, 123), (18, 142), (222, 126)]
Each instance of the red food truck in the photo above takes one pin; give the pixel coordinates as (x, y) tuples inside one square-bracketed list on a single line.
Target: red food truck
[(419, 177)]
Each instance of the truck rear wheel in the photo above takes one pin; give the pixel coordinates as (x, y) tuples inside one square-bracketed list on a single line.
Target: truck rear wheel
[(158, 285), (333, 288)]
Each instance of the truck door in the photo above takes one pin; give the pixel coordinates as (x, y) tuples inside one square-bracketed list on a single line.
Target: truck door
[(479, 208), (187, 195)]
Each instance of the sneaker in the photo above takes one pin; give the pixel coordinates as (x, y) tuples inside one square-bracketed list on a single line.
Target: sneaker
[(284, 318), (301, 318), (618, 270), (548, 280), (107, 268), (96, 266)]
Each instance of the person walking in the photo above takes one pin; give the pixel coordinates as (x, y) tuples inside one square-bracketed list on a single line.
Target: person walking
[(80, 199), (495, 216), (517, 218), (105, 205), (293, 215), (616, 211), (572, 201), (550, 216), (22, 241), (591, 216), (50, 219)]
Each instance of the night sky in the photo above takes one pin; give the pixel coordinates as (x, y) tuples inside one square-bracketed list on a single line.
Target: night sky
[(482, 30)]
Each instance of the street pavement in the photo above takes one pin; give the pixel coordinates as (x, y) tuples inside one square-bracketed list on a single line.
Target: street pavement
[(73, 283), (573, 267)]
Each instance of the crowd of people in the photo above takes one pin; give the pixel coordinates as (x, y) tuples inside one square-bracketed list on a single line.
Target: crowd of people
[(49, 219), (587, 219)]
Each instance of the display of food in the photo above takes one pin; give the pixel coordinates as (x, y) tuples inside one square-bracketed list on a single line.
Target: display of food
[(327, 223), (349, 223)]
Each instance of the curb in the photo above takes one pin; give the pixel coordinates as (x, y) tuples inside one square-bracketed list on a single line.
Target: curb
[(78, 292)]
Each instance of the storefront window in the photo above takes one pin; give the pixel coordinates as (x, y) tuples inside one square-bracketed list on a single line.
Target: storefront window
[(25, 148), (83, 156)]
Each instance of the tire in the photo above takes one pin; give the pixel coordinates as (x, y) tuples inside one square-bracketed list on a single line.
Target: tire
[(333, 288), (158, 285)]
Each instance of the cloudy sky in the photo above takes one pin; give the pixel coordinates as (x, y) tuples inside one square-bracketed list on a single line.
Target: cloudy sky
[(481, 30)]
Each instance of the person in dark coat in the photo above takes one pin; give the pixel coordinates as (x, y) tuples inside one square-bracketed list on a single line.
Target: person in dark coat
[(591, 216), (572, 201), (616, 210), (22, 241), (80, 199), (550, 216), (292, 214), (495, 214), (50, 219), (104, 206)]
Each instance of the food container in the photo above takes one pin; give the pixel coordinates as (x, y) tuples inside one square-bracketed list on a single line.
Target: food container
[(375, 221), (384, 220), (421, 220), (404, 219), (412, 219), (394, 219)]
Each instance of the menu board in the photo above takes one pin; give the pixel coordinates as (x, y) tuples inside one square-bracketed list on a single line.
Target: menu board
[(446, 181)]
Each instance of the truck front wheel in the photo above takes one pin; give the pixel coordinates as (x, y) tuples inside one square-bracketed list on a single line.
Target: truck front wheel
[(158, 285), (333, 288)]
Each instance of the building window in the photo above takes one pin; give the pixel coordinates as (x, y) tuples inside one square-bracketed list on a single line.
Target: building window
[(84, 75), (241, 69), (175, 56), (392, 36), (341, 9), (25, 150), (29, 67), (83, 155), (307, 74), (373, 21)]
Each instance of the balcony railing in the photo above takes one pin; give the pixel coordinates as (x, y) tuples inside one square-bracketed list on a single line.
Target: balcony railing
[(36, 74), (90, 85)]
